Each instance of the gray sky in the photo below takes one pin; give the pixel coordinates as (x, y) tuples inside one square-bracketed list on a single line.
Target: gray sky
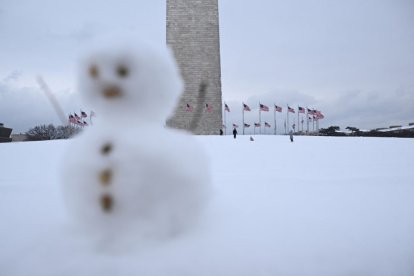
[(351, 59)]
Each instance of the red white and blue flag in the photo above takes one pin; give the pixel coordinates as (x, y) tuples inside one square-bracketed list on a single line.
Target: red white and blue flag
[(291, 109), (226, 108), (267, 125), (301, 109), (235, 126), (189, 108), (246, 107), (263, 107), (319, 115), (208, 108), (246, 125), (72, 119), (256, 124), (278, 108)]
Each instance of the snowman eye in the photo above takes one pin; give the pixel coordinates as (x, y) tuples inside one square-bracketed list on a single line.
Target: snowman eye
[(93, 71), (106, 149), (122, 71)]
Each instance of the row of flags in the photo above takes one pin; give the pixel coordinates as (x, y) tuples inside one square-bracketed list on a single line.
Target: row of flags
[(77, 120), (312, 115), (262, 107), (312, 112), (266, 124), (208, 108)]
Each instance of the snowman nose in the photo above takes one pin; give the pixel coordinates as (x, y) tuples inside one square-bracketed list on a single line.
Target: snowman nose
[(112, 91)]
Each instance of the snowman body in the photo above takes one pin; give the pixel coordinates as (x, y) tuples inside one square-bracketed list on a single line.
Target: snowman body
[(128, 174)]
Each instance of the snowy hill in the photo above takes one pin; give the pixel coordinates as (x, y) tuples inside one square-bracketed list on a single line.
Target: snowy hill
[(318, 206)]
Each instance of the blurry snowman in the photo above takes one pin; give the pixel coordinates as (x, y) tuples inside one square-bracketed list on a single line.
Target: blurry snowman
[(129, 175)]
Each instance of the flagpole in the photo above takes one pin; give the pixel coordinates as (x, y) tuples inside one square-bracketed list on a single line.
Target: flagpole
[(298, 119), (274, 116), (225, 121), (260, 120), (307, 120), (288, 126), (243, 117), (313, 123)]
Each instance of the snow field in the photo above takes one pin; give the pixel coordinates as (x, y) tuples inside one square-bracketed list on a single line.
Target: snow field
[(318, 206)]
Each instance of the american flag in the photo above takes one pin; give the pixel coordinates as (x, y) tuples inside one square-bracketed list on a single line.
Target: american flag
[(235, 126), (189, 108), (76, 117), (291, 109), (208, 108), (84, 123), (278, 108), (263, 107), (310, 111), (246, 125), (256, 124), (301, 109), (319, 115), (246, 107), (83, 114), (72, 119), (267, 125), (226, 108)]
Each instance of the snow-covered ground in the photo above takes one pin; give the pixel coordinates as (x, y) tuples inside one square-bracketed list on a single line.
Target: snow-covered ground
[(318, 206)]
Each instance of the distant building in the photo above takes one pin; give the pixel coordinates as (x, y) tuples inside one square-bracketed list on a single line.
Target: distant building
[(5, 134), (19, 137)]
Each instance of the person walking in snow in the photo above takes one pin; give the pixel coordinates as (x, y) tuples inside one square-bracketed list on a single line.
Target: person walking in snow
[(234, 132), (291, 135)]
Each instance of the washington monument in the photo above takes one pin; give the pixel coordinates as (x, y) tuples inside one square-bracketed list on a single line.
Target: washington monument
[(193, 35)]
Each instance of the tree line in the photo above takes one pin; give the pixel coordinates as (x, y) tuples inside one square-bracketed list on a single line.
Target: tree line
[(335, 131), (51, 132)]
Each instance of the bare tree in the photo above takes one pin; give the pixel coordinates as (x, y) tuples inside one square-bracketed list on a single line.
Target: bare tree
[(50, 132)]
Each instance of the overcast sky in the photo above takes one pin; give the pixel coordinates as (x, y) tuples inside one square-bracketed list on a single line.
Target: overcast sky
[(351, 59)]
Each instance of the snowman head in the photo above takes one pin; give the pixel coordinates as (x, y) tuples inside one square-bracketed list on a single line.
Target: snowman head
[(130, 82)]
